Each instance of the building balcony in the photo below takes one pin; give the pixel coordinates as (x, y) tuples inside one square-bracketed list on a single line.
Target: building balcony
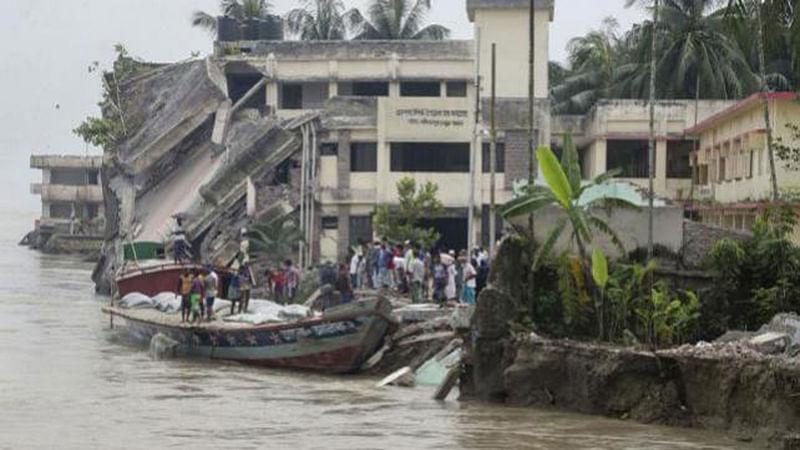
[(64, 193)]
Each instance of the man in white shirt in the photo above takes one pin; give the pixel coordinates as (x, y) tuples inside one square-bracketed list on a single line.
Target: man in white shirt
[(468, 294), (354, 261)]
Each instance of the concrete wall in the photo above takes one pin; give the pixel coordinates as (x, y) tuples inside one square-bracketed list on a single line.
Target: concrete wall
[(631, 226)]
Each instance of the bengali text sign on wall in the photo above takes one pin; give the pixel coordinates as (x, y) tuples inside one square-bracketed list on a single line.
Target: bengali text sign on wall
[(428, 119)]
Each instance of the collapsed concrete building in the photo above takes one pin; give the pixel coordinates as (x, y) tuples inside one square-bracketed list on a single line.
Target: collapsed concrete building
[(325, 129)]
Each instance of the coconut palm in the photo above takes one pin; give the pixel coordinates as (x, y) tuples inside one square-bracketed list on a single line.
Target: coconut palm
[(274, 237), (239, 9), (318, 20), (594, 60), (396, 19)]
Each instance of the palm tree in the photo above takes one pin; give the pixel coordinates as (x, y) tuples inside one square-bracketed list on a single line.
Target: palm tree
[(697, 55), (565, 190), (594, 60), (238, 9), (396, 19), (318, 20), (274, 236)]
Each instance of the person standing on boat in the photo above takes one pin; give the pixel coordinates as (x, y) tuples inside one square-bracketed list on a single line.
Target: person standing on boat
[(184, 291), (196, 296), (210, 286), (246, 280)]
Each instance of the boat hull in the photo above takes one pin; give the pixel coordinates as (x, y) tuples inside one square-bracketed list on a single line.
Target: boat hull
[(153, 280), (338, 342)]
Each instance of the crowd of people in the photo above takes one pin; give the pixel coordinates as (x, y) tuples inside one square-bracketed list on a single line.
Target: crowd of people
[(423, 275), (283, 281), (197, 291)]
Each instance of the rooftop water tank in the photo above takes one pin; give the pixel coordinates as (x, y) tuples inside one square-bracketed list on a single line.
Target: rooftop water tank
[(227, 29), (270, 28), (250, 29)]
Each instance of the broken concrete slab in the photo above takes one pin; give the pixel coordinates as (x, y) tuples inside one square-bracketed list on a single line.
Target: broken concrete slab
[(770, 343)]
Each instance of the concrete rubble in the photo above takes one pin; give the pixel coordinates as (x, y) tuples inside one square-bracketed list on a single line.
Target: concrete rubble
[(190, 152)]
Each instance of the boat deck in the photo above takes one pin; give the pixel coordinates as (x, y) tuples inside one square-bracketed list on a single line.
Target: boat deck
[(156, 317), (222, 307)]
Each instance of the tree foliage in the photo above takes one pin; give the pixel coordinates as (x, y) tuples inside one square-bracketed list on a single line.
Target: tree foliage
[(788, 150), (113, 126), (318, 20), (274, 237), (401, 223), (705, 49), (396, 19), (755, 278)]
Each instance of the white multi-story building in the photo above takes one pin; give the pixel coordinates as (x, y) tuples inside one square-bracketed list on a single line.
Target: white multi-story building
[(394, 109)]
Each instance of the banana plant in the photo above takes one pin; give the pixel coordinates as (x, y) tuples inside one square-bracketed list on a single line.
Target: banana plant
[(565, 189)]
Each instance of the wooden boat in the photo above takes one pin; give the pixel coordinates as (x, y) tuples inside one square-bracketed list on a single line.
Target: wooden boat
[(152, 279), (338, 341)]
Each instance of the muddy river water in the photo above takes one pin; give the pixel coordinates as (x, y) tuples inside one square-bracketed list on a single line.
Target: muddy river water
[(67, 382)]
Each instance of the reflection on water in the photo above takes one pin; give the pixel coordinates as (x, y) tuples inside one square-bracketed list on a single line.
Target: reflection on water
[(66, 381)]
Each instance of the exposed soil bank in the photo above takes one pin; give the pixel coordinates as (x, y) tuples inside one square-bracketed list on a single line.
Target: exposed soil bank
[(750, 395)]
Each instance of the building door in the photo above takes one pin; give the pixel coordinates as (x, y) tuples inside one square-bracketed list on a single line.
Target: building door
[(452, 233)]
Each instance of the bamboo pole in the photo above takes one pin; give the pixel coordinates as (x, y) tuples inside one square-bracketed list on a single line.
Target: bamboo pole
[(531, 95), (493, 156), (651, 151)]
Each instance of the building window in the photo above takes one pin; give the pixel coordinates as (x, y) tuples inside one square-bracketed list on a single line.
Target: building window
[(420, 89), (303, 95), (679, 154), (456, 88), (430, 157), (240, 84), (363, 157), (329, 149), (360, 230), (630, 157), (330, 223), (499, 157), (73, 177), (364, 88), (61, 210)]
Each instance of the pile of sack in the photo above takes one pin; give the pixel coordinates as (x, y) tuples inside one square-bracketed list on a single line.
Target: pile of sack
[(264, 311), (166, 302)]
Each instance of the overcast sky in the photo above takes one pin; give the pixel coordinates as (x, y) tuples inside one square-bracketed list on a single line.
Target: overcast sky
[(47, 46)]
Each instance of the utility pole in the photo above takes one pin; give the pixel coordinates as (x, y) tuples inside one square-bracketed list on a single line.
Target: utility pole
[(531, 95), (493, 156), (651, 150), (476, 142)]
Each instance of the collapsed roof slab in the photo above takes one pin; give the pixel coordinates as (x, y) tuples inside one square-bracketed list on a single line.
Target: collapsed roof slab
[(167, 107)]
